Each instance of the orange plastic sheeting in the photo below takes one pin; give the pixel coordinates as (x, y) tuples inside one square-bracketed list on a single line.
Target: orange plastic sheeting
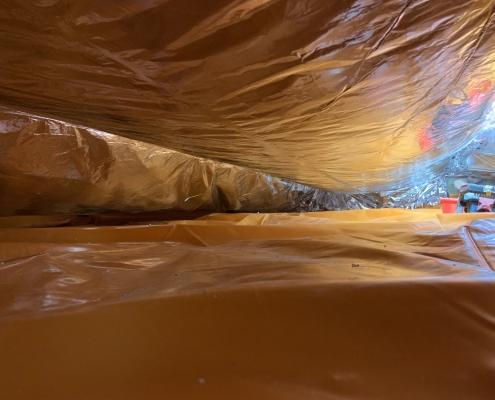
[(381, 304)]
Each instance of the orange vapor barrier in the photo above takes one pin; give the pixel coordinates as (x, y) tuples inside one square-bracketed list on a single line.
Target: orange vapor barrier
[(380, 304)]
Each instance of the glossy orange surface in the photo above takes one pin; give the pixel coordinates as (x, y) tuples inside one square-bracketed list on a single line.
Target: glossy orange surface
[(381, 304)]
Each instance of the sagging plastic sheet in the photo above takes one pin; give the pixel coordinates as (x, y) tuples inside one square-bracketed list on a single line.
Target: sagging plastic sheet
[(47, 166), (380, 304), (355, 95)]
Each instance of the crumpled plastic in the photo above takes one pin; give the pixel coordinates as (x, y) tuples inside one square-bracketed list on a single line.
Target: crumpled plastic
[(350, 96), (48, 166)]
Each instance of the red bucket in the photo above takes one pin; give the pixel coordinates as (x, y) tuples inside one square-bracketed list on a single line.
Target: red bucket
[(449, 206)]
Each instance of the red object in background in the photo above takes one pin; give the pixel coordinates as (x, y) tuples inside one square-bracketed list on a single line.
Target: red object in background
[(449, 206), (425, 139), (476, 97)]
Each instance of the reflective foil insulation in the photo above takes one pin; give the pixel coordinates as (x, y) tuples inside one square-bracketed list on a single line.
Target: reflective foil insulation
[(350, 96), (48, 166)]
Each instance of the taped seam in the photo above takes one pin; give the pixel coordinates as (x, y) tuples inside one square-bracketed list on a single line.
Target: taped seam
[(481, 256)]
